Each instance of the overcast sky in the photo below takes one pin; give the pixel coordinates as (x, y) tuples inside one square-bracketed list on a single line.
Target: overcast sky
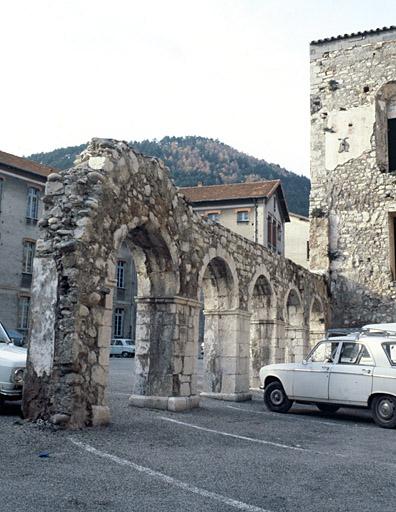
[(235, 70)]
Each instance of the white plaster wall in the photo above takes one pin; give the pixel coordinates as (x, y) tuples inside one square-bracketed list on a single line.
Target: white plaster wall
[(356, 125), (296, 238)]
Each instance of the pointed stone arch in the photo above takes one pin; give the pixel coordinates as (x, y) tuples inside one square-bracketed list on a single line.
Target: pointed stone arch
[(262, 307), (317, 326), (294, 326), (225, 337)]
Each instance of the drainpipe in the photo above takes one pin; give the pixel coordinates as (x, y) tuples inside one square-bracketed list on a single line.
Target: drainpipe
[(255, 221)]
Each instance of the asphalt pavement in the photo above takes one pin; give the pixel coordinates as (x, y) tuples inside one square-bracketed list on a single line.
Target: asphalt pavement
[(223, 456)]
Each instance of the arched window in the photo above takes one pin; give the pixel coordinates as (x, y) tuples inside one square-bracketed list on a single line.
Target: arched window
[(385, 129)]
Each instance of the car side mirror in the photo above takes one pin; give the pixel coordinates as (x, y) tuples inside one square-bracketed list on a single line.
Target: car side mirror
[(304, 361)]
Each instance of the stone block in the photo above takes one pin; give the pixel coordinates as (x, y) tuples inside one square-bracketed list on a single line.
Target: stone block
[(100, 415), (151, 402)]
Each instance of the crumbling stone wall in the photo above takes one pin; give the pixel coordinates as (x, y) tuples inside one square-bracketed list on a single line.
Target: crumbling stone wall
[(114, 195), (353, 194)]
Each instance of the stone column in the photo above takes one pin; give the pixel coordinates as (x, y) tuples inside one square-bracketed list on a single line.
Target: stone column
[(296, 344), (262, 347), (166, 353), (226, 356)]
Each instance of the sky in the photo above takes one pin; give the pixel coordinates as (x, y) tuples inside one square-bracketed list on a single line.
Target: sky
[(233, 70)]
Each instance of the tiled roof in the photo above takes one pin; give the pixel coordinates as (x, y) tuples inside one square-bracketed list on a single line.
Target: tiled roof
[(23, 164), (355, 34), (231, 191)]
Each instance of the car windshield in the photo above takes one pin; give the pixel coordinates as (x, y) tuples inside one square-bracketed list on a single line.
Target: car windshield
[(3, 335)]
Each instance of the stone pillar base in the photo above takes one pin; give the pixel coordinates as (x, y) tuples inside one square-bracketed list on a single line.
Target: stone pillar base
[(100, 415), (169, 403), (231, 397)]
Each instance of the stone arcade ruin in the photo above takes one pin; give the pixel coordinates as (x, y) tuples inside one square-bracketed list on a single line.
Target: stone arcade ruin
[(259, 307)]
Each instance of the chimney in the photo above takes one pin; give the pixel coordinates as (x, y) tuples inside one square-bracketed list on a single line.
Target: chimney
[(199, 184)]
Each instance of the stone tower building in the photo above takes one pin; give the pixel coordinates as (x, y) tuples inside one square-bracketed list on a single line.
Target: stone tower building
[(353, 170)]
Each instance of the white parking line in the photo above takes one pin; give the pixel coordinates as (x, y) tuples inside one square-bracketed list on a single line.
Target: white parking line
[(288, 418), (294, 417), (245, 438), (240, 505)]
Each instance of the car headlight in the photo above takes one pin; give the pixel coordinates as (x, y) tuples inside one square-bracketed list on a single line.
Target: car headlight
[(17, 376)]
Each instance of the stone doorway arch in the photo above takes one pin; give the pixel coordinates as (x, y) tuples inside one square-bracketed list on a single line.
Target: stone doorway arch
[(295, 329), (317, 328), (225, 337), (262, 306), (90, 211)]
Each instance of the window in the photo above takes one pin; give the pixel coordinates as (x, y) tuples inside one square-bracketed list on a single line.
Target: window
[(392, 243), (390, 351), (324, 352), (392, 144), (274, 233), (274, 204), (28, 255), (269, 232), (1, 190), (354, 353), (385, 127), (32, 205), (242, 216), (119, 322), (120, 274), (215, 216), (23, 312)]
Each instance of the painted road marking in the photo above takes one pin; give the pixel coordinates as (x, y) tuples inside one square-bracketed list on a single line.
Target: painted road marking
[(294, 417), (245, 438), (240, 505)]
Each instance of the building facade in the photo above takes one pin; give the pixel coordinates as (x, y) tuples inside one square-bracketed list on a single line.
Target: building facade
[(297, 239), (257, 210), (353, 171), (22, 184)]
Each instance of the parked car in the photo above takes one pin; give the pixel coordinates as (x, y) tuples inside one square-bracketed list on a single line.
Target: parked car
[(357, 369), (122, 347), (12, 368)]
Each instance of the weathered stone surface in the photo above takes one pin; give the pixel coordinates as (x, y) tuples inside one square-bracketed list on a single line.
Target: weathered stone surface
[(178, 255), (353, 197)]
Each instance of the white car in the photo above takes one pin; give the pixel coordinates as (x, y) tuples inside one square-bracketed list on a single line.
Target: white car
[(123, 347), (12, 368), (355, 370)]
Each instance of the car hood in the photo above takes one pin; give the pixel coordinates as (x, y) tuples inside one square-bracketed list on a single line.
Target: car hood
[(11, 355), (279, 366)]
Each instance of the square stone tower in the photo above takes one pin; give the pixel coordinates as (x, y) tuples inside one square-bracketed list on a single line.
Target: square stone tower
[(353, 171)]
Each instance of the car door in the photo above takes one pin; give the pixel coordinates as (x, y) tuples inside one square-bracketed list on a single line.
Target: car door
[(351, 378), (311, 378), (117, 347)]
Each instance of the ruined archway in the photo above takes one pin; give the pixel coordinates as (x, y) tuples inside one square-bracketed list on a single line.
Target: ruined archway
[(262, 306), (225, 358), (295, 332), (74, 278), (112, 196), (316, 322)]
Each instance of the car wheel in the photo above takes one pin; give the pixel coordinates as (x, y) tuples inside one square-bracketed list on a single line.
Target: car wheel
[(383, 408), (125, 354), (275, 398), (328, 408)]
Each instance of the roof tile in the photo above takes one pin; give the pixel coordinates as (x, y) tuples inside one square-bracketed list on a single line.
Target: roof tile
[(24, 164), (230, 191)]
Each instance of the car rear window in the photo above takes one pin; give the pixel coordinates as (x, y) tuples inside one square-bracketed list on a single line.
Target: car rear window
[(128, 342), (390, 350)]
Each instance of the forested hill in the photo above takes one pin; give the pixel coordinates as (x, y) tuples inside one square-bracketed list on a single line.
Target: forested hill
[(194, 159)]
